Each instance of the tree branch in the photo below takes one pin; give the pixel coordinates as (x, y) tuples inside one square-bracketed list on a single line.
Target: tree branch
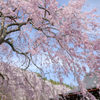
[(17, 24), (25, 54), (12, 46), (45, 10), (1, 75), (2, 23)]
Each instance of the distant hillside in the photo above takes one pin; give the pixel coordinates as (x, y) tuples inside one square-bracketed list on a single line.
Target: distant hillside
[(55, 82)]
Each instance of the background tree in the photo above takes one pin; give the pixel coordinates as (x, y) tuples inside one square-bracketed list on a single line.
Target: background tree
[(66, 36)]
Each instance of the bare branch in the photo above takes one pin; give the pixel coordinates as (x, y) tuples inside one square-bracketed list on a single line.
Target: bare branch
[(45, 10), (17, 24), (14, 30), (46, 19), (12, 18), (17, 29)]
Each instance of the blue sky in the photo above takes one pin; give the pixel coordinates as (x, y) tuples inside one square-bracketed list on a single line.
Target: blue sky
[(92, 4)]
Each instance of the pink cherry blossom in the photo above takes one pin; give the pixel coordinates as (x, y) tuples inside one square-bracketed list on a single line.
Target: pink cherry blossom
[(66, 37)]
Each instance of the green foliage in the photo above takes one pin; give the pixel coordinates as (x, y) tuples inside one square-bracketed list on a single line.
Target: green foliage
[(38, 75), (55, 82), (44, 78)]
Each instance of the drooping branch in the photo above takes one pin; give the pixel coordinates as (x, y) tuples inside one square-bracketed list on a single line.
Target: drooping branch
[(12, 46), (10, 43), (28, 81)]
